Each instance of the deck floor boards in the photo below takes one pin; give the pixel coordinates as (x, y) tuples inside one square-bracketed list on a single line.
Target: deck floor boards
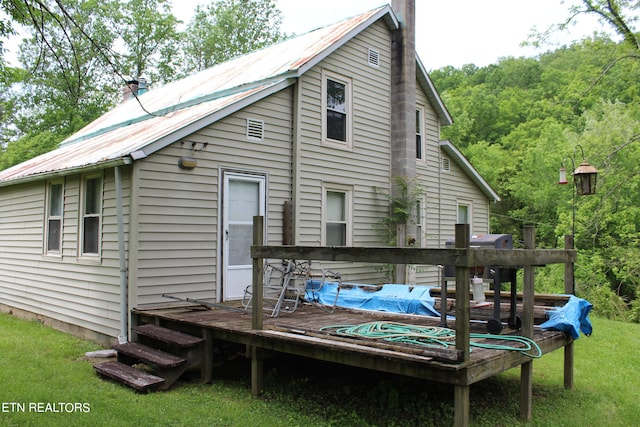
[(301, 333)]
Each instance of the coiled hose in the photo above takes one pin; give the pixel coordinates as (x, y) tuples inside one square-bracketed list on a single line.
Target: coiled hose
[(432, 336)]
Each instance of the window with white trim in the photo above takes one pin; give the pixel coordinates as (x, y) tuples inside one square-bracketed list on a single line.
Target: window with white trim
[(91, 216), (420, 222), (420, 145), (336, 219), (336, 104), (53, 226), (464, 214)]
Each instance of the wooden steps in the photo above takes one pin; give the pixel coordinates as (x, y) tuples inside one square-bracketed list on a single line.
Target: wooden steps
[(167, 354), (129, 376)]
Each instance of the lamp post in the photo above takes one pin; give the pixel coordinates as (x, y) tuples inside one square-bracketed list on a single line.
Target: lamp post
[(584, 178)]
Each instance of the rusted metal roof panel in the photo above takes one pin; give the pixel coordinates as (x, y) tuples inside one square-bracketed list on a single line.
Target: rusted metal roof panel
[(161, 112)]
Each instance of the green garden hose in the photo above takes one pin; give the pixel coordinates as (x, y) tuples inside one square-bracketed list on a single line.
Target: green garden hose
[(432, 336)]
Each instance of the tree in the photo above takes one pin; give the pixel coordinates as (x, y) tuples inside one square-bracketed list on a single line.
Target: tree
[(68, 82), (149, 36), (226, 29)]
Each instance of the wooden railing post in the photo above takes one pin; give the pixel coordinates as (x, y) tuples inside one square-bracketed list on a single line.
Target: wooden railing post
[(528, 295), (256, 306), (258, 266), (463, 315)]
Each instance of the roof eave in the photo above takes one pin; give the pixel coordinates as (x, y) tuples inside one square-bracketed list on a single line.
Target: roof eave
[(121, 161), (385, 13), (212, 118), (432, 93), (469, 170)]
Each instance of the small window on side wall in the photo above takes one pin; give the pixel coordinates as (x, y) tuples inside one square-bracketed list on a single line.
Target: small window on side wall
[(53, 226), (91, 216), (336, 102), (420, 134)]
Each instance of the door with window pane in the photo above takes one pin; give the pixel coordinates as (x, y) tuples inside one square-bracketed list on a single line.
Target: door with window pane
[(244, 197)]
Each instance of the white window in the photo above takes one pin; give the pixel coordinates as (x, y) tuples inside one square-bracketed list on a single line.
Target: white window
[(53, 226), (420, 222), (464, 214), (91, 216), (336, 225), (420, 145), (336, 103)]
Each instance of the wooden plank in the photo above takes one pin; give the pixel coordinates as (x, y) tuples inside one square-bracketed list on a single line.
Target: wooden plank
[(167, 336), (132, 377), (424, 256), (445, 355), (148, 355)]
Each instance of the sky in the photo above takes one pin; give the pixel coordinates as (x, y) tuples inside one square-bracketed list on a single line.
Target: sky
[(448, 32)]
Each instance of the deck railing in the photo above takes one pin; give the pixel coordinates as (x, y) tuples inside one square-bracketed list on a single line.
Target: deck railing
[(463, 257)]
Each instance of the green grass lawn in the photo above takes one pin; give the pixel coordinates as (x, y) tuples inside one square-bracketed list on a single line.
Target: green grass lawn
[(46, 381)]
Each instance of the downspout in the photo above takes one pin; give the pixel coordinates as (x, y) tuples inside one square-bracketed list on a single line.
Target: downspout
[(124, 292)]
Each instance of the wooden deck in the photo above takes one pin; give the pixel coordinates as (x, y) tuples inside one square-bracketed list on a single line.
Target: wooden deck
[(301, 333)]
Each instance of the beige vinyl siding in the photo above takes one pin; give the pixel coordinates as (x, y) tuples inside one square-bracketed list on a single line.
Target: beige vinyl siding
[(443, 192), (73, 291), (364, 167), (178, 211)]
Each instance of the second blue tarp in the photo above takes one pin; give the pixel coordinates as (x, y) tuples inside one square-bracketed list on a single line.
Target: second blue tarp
[(389, 298)]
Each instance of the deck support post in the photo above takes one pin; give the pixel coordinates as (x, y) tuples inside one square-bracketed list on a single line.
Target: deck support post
[(528, 295), (256, 306), (461, 405), (207, 356), (569, 288), (463, 315), (257, 369)]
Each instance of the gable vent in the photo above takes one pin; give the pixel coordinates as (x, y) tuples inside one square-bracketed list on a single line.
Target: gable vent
[(255, 129), (446, 164), (374, 58)]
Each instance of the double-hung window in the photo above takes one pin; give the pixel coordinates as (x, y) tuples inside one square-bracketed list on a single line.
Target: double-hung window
[(55, 208), (91, 215), (420, 155), (337, 109), (464, 214), (337, 217)]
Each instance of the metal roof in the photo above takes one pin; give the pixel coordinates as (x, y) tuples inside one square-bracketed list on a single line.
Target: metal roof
[(163, 115)]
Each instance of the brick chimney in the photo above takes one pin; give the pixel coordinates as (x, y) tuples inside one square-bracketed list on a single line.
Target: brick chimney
[(130, 90)]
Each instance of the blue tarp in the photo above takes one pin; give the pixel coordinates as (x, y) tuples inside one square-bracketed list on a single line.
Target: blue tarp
[(390, 298), (571, 318)]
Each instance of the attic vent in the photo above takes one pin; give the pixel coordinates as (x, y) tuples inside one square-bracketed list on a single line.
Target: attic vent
[(255, 129), (446, 164), (374, 58)]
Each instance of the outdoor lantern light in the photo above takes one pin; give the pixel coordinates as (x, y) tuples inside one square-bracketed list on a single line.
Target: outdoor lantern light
[(584, 176)]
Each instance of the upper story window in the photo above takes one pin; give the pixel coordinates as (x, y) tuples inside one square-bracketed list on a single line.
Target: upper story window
[(420, 134), (337, 217), (336, 101), (55, 209), (91, 215)]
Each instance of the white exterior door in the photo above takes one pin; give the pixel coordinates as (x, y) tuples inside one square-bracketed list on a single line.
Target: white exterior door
[(244, 197)]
